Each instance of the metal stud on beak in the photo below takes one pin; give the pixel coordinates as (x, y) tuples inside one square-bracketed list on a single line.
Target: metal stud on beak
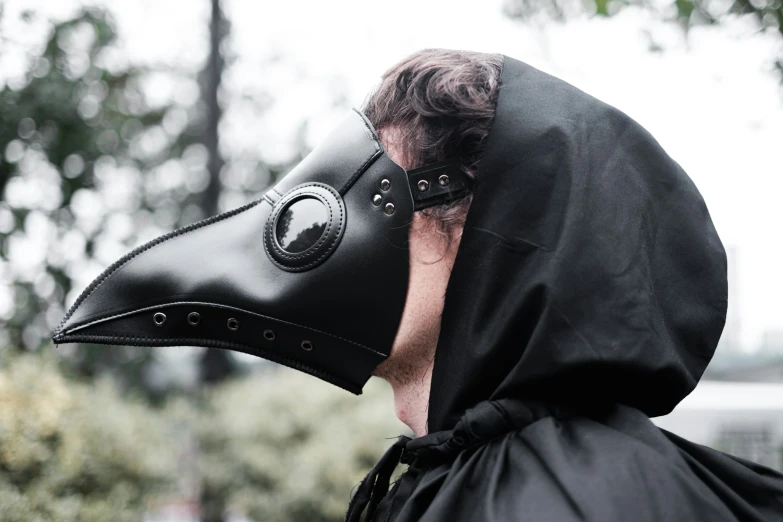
[(377, 199), (443, 180), (159, 318), (423, 185), (233, 324), (385, 184), (389, 208), (194, 318)]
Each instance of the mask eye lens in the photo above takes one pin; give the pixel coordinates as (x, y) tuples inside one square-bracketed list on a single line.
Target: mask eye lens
[(301, 224), (304, 227)]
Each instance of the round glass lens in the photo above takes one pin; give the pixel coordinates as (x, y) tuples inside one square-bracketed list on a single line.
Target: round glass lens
[(301, 224)]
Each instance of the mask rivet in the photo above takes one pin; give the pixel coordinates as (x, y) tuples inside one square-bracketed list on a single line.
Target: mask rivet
[(269, 335), (307, 346), (194, 318), (385, 184), (159, 318), (233, 324), (443, 180), (423, 185), (389, 208), (377, 199)]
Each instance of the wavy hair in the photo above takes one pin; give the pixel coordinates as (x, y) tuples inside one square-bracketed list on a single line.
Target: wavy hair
[(434, 105)]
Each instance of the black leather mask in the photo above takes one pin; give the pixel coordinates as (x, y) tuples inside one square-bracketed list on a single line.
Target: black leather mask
[(313, 275)]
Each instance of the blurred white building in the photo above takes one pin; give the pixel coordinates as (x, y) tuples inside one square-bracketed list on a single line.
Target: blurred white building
[(772, 342), (743, 419)]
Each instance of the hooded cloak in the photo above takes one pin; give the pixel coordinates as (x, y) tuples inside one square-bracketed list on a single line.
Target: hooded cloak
[(588, 294)]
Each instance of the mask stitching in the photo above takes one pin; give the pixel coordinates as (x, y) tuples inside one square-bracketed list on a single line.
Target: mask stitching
[(211, 343), (378, 151), (204, 303), (143, 248)]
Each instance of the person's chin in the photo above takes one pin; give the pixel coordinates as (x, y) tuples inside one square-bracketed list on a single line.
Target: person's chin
[(386, 369)]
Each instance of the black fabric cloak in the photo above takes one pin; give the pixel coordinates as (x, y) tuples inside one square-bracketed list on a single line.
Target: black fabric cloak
[(588, 294)]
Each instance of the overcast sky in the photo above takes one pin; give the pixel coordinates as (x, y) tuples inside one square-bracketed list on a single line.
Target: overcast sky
[(712, 101)]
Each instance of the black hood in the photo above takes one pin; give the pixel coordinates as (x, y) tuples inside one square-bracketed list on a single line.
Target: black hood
[(589, 269), (589, 284)]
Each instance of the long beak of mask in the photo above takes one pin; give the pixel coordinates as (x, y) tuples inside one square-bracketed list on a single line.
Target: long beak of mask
[(313, 275)]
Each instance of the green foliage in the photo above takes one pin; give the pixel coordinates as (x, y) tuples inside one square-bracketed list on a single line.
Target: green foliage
[(71, 452), (277, 445), (602, 7), (686, 13), (284, 446), (78, 141), (92, 164)]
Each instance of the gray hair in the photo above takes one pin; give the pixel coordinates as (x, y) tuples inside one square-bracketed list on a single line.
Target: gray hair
[(438, 104)]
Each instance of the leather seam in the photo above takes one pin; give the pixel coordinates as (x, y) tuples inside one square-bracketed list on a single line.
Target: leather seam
[(375, 138), (143, 248), (414, 173), (378, 151), (267, 354), (348, 184), (217, 305)]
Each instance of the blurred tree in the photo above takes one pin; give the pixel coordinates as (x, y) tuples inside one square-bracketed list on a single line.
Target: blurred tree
[(76, 453), (92, 164), (279, 446), (214, 365), (90, 167), (284, 446), (687, 13)]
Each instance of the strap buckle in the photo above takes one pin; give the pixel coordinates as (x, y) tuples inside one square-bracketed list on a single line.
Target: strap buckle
[(438, 183)]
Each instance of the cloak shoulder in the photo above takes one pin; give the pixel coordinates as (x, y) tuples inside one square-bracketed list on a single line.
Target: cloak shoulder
[(613, 469)]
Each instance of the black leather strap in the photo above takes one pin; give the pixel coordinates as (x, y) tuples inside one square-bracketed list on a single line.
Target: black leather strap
[(438, 183)]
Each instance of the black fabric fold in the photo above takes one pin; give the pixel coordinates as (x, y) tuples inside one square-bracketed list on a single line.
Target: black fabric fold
[(374, 486), (510, 460)]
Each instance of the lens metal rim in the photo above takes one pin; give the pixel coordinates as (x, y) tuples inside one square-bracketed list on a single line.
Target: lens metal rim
[(326, 244)]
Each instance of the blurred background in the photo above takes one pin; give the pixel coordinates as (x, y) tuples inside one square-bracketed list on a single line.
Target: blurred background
[(120, 121)]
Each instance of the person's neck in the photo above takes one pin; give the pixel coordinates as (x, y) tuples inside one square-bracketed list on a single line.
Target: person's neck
[(411, 399)]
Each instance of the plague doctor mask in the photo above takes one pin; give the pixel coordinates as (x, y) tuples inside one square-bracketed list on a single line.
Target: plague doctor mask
[(313, 275)]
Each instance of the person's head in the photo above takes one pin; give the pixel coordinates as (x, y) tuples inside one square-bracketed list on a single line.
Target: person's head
[(434, 105)]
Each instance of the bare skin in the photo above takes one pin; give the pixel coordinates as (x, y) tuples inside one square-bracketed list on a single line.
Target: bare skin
[(409, 366)]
